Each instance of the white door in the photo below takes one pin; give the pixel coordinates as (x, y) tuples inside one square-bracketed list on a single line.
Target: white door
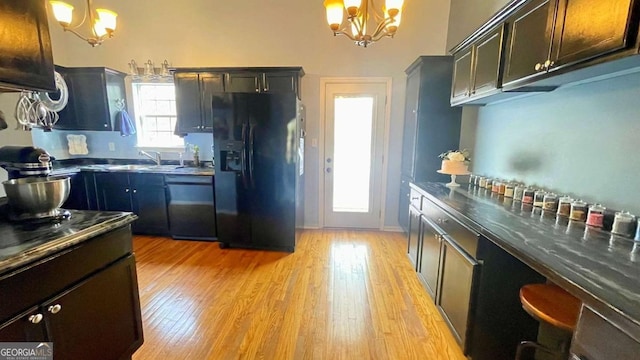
[(355, 119)]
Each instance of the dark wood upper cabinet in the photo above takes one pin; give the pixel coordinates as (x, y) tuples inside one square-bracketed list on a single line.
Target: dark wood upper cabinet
[(26, 61), (538, 45), (96, 95), (261, 82), (194, 93), (462, 75), (588, 28), (477, 69), (487, 61), (195, 89), (529, 44)]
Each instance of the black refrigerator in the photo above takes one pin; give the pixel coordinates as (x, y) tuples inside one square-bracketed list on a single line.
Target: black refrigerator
[(259, 152)]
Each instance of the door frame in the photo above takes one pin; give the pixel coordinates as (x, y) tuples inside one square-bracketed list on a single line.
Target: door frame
[(324, 81)]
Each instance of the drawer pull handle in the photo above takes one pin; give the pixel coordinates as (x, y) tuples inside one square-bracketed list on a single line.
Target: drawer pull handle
[(442, 221), (54, 309), (415, 198), (35, 319)]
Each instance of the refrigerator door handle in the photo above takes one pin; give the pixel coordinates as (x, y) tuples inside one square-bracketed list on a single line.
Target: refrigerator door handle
[(251, 140), (243, 162)]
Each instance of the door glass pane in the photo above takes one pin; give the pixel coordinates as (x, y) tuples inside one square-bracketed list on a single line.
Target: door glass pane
[(353, 120)]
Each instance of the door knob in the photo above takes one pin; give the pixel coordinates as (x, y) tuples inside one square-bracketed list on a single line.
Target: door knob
[(35, 319), (538, 67), (54, 309), (329, 160), (328, 170)]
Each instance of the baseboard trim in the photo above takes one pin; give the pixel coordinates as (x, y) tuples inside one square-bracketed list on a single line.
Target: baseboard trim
[(392, 229)]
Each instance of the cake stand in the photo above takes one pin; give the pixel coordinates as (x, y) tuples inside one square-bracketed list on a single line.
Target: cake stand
[(453, 182)]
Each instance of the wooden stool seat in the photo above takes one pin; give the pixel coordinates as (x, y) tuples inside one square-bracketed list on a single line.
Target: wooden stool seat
[(551, 304)]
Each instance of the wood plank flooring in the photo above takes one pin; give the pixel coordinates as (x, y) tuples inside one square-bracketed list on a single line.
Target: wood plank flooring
[(341, 295)]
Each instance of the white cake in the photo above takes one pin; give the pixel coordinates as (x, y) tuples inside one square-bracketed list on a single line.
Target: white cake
[(454, 167)]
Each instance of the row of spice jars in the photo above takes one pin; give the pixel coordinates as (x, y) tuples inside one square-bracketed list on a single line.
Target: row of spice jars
[(624, 223)]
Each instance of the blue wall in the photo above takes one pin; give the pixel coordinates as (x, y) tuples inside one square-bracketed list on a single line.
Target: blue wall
[(55, 142), (582, 140)]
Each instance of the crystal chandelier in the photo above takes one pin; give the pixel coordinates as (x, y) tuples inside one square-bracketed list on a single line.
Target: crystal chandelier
[(102, 27), (359, 14)]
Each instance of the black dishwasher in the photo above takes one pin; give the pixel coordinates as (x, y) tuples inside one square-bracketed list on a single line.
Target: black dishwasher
[(192, 210)]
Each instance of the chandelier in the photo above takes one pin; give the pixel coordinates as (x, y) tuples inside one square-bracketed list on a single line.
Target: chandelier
[(102, 27), (359, 14)]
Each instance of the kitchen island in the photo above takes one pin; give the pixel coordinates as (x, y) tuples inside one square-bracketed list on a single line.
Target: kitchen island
[(72, 283), (599, 268)]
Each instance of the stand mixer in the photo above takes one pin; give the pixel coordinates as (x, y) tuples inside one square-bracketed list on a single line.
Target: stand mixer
[(32, 194)]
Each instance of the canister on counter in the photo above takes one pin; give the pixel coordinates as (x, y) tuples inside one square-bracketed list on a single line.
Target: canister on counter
[(509, 190), (482, 181), (564, 206), (550, 202), (623, 224), (538, 198), (472, 179), (578, 210), (595, 217), (495, 187), (637, 237), (502, 187), (527, 195), (489, 184), (518, 192)]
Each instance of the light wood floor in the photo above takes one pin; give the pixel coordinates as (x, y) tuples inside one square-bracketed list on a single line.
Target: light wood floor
[(341, 295)]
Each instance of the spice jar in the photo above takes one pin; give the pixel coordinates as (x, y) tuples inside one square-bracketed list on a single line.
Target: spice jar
[(637, 237), (595, 217), (578, 211), (623, 224), (496, 185), (538, 198), (564, 206), (482, 181), (472, 179), (527, 195), (508, 190), (518, 191), (489, 184), (550, 202)]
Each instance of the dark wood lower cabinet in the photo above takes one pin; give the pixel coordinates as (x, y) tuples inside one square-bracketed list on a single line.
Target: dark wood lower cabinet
[(143, 194), (430, 259), (82, 300), (456, 290), (414, 237), (97, 319)]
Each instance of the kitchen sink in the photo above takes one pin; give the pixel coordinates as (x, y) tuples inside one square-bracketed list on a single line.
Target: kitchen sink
[(142, 167), (130, 167)]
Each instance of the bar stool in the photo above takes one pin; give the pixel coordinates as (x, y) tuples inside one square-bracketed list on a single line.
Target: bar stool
[(557, 311)]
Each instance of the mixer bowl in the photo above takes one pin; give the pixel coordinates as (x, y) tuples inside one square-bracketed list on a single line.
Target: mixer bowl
[(37, 196)]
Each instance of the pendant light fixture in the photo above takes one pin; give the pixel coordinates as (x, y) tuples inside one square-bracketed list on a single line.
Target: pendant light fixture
[(102, 26), (360, 15)]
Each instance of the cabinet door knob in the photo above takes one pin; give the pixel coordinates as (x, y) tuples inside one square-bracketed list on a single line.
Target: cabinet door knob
[(105, 125), (548, 64), (539, 67), (35, 319), (126, 190), (135, 191), (54, 309)]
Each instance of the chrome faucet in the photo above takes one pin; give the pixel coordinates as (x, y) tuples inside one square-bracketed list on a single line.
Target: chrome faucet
[(155, 158)]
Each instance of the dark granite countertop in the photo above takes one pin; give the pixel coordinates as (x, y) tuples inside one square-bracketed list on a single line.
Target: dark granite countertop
[(22, 243), (594, 264), (137, 168)]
